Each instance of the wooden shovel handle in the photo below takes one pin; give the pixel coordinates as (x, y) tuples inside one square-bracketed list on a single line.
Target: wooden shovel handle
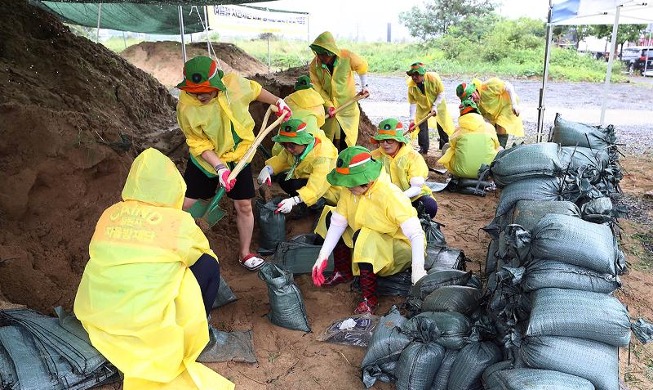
[(430, 114), (349, 102)]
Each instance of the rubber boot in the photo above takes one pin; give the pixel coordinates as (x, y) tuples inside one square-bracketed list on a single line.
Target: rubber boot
[(503, 139), (342, 266), (368, 286)]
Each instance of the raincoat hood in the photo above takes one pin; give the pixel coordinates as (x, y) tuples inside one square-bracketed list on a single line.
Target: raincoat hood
[(326, 41), (154, 179)]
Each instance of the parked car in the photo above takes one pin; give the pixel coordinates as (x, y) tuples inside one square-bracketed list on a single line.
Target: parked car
[(645, 60), (629, 55)]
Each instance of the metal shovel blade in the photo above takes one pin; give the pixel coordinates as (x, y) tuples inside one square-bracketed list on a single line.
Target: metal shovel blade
[(214, 213)]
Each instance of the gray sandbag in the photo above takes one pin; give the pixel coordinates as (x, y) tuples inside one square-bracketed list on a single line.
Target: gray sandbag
[(461, 299), (298, 254), (598, 210), (569, 133), (398, 284), (492, 257), (488, 377), (225, 294), (442, 257), (525, 161), (439, 278), (535, 188), (574, 241), (556, 274), (418, 365), (441, 379), (272, 226), (527, 213), (385, 347), (432, 232), (237, 346), (449, 329), (595, 361), (286, 303), (582, 314), (472, 360), (574, 158), (536, 379), (31, 372)]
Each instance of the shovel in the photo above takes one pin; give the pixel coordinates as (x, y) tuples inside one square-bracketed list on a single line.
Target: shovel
[(349, 102), (430, 114), (212, 211)]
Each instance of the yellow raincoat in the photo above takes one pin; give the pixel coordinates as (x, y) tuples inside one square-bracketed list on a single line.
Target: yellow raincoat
[(432, 87), (338, 88), (377, 216), (138, 300), (406, 164), (208, 126), (307, 105), (495, 106), (315, 166), (472, 144)]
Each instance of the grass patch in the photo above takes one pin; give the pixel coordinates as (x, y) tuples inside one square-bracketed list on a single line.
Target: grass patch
[(644, 252)]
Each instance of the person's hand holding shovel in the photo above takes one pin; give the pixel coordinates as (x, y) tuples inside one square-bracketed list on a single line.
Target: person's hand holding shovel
[(223, 176)]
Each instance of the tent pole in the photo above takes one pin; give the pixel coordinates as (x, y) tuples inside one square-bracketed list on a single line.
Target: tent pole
[(99, 17), (206, 30), (181, 32), (545, 76), (613, 45)]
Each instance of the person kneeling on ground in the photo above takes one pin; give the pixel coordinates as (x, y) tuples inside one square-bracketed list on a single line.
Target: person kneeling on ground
[(406, 167), (474, 143), (150, 283), (388, 236), (306, 161)]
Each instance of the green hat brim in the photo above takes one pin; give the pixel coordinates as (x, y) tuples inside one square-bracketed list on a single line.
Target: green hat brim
[(402, 139), (302, 138), (371, 172)]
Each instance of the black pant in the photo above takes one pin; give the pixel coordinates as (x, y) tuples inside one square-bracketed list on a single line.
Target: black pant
[(207, 272), (423, 137), (291, 186)]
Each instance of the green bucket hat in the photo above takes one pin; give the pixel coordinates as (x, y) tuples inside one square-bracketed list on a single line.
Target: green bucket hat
[(202, 75), (416, 67), (390, 128), (465, 90), (354, 167), (303, 82), (293, 131)]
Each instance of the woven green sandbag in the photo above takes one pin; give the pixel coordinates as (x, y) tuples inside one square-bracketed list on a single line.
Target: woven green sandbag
[(569, 133)]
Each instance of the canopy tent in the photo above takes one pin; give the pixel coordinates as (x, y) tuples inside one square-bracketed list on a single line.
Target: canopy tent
[(577, 12)]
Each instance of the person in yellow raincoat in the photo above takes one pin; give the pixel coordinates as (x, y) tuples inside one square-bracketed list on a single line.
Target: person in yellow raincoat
[(308, 105), (150, 282), (426, 96), (332, 74), (474, 142), (499, 104), (388, 235), (302, 166), (213, 113), (406, 167)]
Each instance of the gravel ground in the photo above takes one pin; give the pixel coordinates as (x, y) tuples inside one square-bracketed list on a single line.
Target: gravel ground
[(629, 106)]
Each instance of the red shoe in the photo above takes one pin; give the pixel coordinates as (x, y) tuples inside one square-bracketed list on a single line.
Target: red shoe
[(364, 307), (336, 278)]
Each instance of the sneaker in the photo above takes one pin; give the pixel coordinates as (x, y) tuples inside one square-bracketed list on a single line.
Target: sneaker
[(336, 278), (365, 308)]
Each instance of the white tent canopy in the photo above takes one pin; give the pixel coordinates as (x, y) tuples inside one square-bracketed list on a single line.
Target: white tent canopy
[(578, 12)]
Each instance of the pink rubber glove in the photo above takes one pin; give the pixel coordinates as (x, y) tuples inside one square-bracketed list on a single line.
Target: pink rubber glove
[(331, 112), (223, 175), (318, 271), (411, 127), (283, 110)]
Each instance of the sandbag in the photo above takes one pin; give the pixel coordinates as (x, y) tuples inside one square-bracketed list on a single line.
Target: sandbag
[(572, 158), (286, 303), (556, 274), (525, 161), (439, 278), (385, 347), (449, 329), (441, 380), (569, 133), (535, 379), (582, 314), (598, 210), (535, 188), (461, 299), (398, 284), (527, 213), (597, 362), (442, 257), (272, 226), (298, 254), (470, 363), (432, 233), (228, 346), (418, 365), (225, 294)]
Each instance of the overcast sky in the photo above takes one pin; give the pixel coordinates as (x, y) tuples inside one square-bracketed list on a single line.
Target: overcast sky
[(367, 20)]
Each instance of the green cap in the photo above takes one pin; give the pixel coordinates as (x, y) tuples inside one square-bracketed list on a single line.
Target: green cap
[(201, 74), (416, 67), (390, 128), (354, 167), (303, 82), (293, 131)]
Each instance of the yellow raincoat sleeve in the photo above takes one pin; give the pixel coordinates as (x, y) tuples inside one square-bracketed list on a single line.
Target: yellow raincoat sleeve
[(235, 103), (193, 120), (281, 162), (317, 184)]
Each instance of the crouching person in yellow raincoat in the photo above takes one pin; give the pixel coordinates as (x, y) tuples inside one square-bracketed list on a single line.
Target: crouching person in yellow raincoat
[(498, 103), (474, 142), (150, 282), (303, 166), (388, 236), (406, 167)]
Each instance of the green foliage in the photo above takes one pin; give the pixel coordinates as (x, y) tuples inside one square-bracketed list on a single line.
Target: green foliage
[(439, 15)]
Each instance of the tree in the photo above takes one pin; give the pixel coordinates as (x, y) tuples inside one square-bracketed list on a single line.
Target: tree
[(625, 33), (439, 15)]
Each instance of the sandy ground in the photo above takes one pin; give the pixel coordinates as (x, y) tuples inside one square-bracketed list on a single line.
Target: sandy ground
[(73, 116)]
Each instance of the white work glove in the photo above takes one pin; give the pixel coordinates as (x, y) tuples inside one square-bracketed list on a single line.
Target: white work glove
[(286, 205), (283, 110), (364, 87), (265, 176), (413, 230), (415, 188)]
